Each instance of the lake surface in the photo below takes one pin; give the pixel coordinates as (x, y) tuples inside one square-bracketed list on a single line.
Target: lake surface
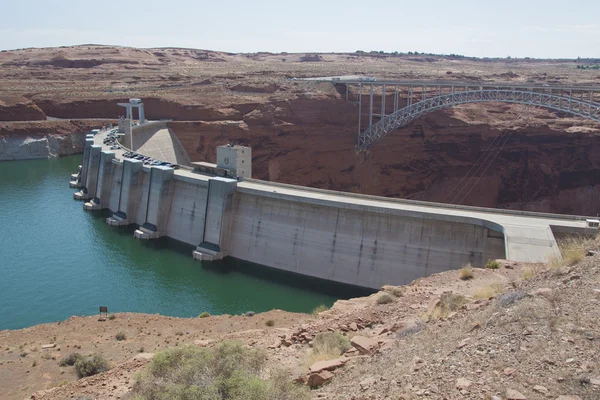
[(57, 260)]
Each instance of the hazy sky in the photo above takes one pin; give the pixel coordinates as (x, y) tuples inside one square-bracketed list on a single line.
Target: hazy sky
[(517, 28)]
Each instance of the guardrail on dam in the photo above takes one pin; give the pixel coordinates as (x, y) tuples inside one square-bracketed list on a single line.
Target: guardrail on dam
[(354, 239)]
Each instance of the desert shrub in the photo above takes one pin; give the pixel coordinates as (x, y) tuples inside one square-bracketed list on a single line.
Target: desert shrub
[(466, 272), (120, 336), (91, 365), (327, 346), (111, 316), (397, 291), (71, 359), (57, 384), (492, 264), (449, 302), (270, 322), (319, 309), (572, 249), (489, 291), (384, 299), (413, 329), (527, 273), (229, 371), (204, 315)]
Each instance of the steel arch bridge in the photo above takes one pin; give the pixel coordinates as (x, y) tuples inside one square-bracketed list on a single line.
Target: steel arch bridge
[(568, 104), (400, 102)]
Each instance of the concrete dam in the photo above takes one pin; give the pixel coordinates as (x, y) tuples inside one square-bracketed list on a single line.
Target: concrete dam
[(354, 239)]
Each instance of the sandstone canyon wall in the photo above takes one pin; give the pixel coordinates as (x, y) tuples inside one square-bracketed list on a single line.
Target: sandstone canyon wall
[(44, 139), (530, 164)]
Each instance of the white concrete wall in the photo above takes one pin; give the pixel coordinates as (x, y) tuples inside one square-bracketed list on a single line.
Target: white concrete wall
[(86, 160), (105, 178), (219, 189), (159, 198), (355, 247), (115, 187), (131, 188), (93, 170), (187, 213)]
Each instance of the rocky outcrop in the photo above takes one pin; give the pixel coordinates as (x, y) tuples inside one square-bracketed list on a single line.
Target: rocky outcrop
[(18, 108), (47, 146), (47, 139)]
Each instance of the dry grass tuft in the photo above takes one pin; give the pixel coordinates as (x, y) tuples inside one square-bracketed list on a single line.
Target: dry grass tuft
[(319, 309), (384, 299), (573, 249), (327, 346), (466, 272), (489, 291), (527, 274), (448, 303), (492, 264)]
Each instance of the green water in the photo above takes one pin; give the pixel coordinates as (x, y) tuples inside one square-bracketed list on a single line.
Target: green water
[(57, 260)]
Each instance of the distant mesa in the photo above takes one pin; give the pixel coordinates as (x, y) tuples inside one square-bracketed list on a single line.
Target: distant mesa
[(311, 58)]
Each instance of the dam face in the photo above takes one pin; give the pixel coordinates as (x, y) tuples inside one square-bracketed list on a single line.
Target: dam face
[(354, 239), (281, 226)]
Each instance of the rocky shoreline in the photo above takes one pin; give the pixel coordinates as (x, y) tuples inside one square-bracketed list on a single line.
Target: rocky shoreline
[(47, 146), (44, 139)]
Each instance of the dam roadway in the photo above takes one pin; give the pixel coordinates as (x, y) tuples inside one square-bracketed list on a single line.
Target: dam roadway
[(356, 239)]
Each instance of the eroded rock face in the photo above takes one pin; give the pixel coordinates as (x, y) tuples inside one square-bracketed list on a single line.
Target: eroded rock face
[(44, 139), (49, 146), (18, 108)]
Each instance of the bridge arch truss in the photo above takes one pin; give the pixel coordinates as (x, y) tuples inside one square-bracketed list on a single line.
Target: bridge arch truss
[(389, 105)]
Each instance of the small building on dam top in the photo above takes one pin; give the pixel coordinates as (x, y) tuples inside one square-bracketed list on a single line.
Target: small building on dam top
[(140, 172)]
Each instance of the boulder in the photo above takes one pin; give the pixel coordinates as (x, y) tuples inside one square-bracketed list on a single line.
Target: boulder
[(328, 365), (364, 344), (462, 383), (512, 394), (319, 379)]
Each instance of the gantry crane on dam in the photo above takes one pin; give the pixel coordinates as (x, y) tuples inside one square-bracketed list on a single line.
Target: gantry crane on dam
[(404, 101)]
